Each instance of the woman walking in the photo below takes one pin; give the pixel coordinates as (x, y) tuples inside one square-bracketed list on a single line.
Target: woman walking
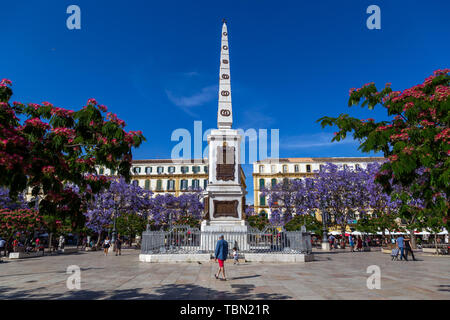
[(408, 249), (359, 245), (106, 245), (351, 243)]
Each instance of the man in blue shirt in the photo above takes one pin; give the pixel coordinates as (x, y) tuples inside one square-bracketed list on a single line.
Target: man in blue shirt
[(401, 246), (221, 254)]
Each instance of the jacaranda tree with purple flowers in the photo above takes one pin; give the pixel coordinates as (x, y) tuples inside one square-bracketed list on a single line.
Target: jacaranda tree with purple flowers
[(184, 209), (121, 198), (6, 202)]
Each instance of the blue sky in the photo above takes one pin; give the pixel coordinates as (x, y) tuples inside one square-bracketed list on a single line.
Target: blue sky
[(156, 63)]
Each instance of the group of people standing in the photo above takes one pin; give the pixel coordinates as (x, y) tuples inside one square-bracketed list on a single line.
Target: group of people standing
[(353, 242), (31, 245)]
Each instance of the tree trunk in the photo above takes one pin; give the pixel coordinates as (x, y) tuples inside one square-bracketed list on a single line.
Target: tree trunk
[(435, 243), (98, 239), (343, 237), (413, 239), (50, 238)]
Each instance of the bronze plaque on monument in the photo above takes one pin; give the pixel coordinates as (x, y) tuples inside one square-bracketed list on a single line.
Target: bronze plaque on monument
[(226, 209), (206, 210), (225, 163)]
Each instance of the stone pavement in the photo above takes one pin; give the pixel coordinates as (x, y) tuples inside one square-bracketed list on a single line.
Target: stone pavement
[(340, 275)]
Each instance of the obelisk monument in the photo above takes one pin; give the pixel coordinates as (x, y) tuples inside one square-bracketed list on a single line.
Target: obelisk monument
[(224, 197)]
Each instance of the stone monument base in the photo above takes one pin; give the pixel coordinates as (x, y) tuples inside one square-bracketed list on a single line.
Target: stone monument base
[(235, 233)]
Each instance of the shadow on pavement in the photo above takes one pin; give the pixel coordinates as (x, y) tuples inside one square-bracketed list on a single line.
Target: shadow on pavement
[(163, 292)]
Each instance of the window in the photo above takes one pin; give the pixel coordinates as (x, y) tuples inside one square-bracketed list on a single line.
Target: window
[(136, 183), (195, 184), (296, 168), (205, 168), (160, 170), (272, 169), (147, 184), (357, 166), (308, 168), (321, 167), (158, 185), (102, 171), (261, 169), (184, 169), (148, 170), (195, 169), (205, 184), (261, 183), (171, 169), (113, 172), (137, 170), (274, 182), (171, 185), (285, 181), (345, 167), (285, 168), (262, 200), (184, 185)]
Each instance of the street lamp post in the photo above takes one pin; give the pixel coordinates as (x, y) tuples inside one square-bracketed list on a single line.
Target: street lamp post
[(113, 238), (325, 243)]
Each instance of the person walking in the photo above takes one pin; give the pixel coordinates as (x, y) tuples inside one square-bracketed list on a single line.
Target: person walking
[(221, 254), (84, 243), (118, 245), (106, 245), (351, 243), (401, 245), (2, 246), (359, 244), (61, 242), (331, 240), (408, 249), (235, 256)]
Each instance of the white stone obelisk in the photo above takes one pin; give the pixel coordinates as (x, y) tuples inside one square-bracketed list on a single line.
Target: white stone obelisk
[(225, 194)]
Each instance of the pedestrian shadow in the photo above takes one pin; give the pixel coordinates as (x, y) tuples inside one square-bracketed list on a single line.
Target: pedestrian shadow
[(55, 271), (246, 277), (444, 287), (163, 292)]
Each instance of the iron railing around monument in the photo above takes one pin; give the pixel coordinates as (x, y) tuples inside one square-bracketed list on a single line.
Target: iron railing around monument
[(184, 239)]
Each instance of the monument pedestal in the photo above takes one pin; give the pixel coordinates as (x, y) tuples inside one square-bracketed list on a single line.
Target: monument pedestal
[(235, 233)]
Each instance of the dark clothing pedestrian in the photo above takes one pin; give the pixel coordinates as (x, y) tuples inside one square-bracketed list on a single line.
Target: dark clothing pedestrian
[(359, 244), (408, 249), (118, 246)]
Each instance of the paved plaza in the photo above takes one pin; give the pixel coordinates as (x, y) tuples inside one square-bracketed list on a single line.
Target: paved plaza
[(336, 275)]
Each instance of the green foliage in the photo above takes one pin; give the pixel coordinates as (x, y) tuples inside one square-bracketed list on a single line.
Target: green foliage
[(258, 221), (310, 222), (191, 221), (130, 224)]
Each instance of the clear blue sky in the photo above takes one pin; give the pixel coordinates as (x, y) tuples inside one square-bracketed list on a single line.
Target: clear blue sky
[(155, 63)]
